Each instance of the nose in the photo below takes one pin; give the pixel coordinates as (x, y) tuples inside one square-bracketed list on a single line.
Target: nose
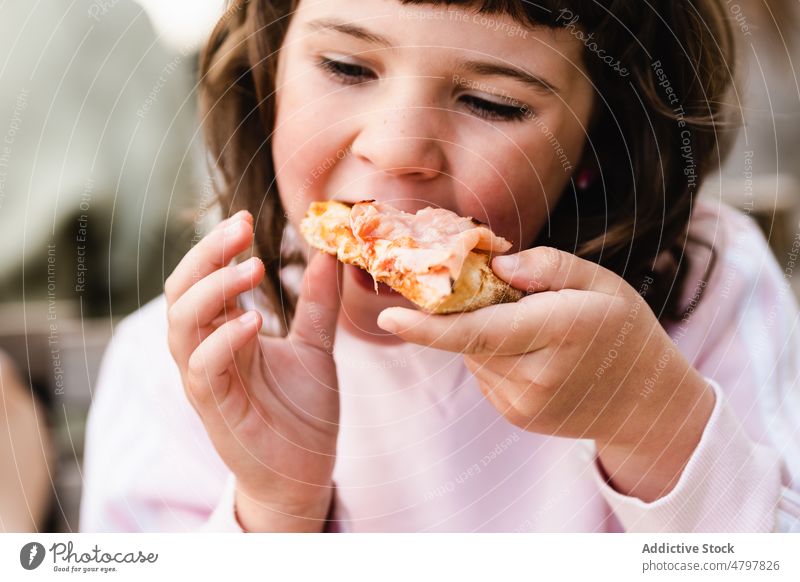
[(403, 140)]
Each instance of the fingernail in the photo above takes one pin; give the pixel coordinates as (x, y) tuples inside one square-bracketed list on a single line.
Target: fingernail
[(244, 216), (506, 262), (249, 318), (232, 219), (386, 323)]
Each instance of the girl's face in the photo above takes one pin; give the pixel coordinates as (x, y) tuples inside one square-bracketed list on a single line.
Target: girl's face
[(427, 106)]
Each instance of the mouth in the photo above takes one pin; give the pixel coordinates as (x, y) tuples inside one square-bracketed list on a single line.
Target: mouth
[(365, 281)]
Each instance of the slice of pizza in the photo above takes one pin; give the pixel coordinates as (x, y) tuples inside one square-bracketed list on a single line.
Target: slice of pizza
[(435, 258)]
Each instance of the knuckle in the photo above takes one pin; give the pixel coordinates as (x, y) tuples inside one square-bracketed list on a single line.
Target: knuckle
[(620, 309), (517, 420), (487, 388), (170, 288), (472, 366), (173, 342), (174, 319), (197, 400), (196, 368), (544, 264), (553, 259), (545, 383), (197, 378)]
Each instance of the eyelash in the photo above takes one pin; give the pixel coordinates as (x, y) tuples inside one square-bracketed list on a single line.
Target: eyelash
[(346, 72), (490, 110)]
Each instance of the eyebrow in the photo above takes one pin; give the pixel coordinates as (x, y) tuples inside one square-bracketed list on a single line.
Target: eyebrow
[(484, 68), (322, 24)]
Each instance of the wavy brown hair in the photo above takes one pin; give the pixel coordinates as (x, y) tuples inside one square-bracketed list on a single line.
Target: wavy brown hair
[(656, 133)]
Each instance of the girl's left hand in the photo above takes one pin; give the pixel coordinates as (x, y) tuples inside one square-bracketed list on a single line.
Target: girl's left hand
[(581, 356)]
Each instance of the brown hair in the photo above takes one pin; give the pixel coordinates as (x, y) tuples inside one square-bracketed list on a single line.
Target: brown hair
[(654, 137), (778, 21)]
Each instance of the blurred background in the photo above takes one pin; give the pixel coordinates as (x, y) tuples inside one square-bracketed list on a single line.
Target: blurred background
[(101, 180), (104, 186)]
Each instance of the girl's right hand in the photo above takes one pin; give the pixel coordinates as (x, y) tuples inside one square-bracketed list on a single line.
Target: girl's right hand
[(269, 404)]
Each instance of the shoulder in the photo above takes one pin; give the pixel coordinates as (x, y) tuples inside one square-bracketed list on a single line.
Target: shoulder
[(728, 255), (736, 239), (149, 464), (139, 378), (733, 279), (743, 332), (139, 354), (150, 321)]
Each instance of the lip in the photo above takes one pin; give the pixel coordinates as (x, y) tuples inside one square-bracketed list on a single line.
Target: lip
[(365, 281), (412, 203)]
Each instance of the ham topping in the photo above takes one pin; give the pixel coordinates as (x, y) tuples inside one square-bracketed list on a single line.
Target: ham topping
[(420, 243)]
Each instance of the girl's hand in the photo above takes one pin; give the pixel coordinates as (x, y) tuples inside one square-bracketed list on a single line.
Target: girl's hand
[(270, 405), (582, 356)]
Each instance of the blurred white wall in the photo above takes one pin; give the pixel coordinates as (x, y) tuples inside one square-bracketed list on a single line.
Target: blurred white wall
[(183, 24)]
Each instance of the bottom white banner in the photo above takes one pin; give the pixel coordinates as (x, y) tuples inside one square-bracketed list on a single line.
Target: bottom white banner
[(357, 557)]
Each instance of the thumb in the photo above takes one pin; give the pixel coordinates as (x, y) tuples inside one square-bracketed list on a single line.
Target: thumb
[(548, 269), (318, 306)]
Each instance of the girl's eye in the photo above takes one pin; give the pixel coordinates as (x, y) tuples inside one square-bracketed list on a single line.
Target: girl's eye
[(496, 111), (347, 72)]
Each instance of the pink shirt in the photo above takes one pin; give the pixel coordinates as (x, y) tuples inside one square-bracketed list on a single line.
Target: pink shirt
[(420, 449)]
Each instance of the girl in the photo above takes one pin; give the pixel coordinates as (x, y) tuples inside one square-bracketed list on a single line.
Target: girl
[(647, 382)]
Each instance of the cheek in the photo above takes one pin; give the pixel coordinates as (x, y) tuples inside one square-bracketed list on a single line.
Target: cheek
[(513, 191), (300, 148), (524, 181), (289, 173)]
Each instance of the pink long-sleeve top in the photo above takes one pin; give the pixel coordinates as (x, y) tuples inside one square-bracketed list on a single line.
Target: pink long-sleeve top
[(421, 450)]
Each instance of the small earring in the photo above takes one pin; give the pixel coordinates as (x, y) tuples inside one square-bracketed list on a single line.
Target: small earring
[(585, 178)]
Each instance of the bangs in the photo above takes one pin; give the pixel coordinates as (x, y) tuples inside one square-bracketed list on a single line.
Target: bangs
[(548, 13)]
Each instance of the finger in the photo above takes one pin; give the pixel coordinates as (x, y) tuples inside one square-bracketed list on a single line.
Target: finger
[(496, 390), (517, 370), (230, 312), (318, 306), (211, 364), (191, 316), (497, 330), (502, 367), (228, 239), (488, 381), (548, 269), (207, 299)]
